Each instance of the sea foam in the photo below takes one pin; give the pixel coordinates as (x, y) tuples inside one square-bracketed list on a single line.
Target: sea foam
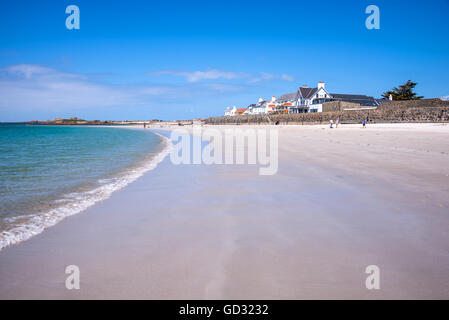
[(74, 203)]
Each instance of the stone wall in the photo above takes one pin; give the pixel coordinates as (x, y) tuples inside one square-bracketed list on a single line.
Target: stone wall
[(425, 103), (433, 110), (333, 106)]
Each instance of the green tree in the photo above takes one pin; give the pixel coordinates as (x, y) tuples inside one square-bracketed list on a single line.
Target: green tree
[(404, 92)]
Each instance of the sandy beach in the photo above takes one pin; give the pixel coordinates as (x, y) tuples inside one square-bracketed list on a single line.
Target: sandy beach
[(342, 199)]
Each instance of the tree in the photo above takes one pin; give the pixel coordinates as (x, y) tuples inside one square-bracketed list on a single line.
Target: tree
[(404, 92)]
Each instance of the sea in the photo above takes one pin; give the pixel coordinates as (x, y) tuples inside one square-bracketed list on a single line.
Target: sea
[(48, 173)]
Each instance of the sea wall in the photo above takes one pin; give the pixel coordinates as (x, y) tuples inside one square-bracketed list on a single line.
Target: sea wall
[(430, 110), (425, 103), (333, 106)]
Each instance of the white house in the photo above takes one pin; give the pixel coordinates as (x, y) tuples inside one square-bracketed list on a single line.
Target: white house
[(261, 107), (302, 101), (230, 111), (310, 99), (272, 105), (287, 101)]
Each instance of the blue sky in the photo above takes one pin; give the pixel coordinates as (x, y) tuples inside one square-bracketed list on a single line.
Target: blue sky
[(188, 59)]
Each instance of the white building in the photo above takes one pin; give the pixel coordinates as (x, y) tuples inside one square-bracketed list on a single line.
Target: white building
[(267, 106), (287, 101), (272, 105), (302, 101), (261, 107), (230, 111), (310, 99)]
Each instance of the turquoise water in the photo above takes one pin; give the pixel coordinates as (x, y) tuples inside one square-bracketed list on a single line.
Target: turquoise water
[(49, 172)]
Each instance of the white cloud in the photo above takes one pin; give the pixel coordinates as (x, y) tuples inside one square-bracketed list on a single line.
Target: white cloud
[(263, 76), (286, 77), (213, 74), (36, 87), (195, 76), (220, 87), (29, 71), (30, 87)]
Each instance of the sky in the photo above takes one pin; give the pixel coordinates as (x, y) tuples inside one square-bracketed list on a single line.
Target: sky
[(173, 60)]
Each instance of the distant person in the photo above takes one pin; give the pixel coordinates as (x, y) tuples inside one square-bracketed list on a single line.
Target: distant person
[(331, 123), (337, 122), (277, 122), (364, 123)]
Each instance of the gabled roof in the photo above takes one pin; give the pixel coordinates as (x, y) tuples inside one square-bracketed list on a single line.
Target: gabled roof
[(350, 96), (363, 100), (307, 93), (287, 97), (258, 105)]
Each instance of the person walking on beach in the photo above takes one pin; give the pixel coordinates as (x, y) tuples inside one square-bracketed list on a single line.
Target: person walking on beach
[(364, 123), (331, 123), (337, 122)]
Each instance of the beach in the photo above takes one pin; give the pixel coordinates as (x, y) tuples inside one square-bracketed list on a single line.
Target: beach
[(342, 199)]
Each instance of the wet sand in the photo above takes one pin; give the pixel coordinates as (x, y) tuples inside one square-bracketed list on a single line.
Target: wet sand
[(342, 199)]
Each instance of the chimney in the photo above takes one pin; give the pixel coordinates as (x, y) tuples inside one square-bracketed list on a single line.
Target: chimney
[(320, 84), (260, 100), (273, 98), (305, 86)]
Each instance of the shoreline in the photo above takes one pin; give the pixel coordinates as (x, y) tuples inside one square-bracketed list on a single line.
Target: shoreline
[(343, 199), (37, 223)]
